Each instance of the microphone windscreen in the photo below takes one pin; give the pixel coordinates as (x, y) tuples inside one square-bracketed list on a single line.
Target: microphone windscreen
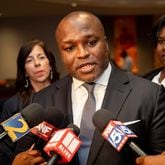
[(33, 114), (54, 116), (74, 128), (101, 118)]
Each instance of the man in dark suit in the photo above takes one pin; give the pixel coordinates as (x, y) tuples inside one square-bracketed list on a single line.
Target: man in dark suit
[(84, 50)]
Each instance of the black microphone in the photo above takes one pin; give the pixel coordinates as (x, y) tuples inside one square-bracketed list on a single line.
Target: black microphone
[(115, 131), (74, 128), (52, 121), (42, 132), (54, 116), (18, 125), (57, 148)]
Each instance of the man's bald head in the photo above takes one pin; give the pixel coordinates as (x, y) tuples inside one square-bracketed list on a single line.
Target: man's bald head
[(78, 17)]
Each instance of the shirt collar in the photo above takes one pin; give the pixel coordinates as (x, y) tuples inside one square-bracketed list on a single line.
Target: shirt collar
[(102, 80), (156, 80)]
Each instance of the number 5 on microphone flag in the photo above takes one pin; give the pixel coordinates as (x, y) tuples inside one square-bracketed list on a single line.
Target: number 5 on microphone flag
[(16, 127), (117, 134)]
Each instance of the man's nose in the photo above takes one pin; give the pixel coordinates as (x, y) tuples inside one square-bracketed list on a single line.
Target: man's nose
[(82, 52)]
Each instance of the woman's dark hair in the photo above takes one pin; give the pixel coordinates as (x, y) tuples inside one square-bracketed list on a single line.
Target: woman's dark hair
[(25, 92), (157, 27)]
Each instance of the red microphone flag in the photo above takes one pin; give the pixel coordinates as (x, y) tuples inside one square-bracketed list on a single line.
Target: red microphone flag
[(43, 130), (65, 143)]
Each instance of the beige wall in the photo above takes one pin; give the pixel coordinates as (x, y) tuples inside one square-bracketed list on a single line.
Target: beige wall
[(15, 31)]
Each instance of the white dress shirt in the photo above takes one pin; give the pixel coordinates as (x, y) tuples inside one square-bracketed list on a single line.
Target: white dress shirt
[(156, 80), (80, 94)]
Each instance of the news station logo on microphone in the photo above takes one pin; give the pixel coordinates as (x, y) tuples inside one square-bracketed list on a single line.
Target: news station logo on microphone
[(65, 143), (44, 130), (117, 134), (16, 127)]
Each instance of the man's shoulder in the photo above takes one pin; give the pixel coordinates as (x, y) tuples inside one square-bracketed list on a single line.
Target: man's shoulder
[(143, 84), (55, 85), (128, 78), (62, 82), (53, 88), (50, 95)]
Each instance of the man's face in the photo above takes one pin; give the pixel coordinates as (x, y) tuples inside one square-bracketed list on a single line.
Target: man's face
[(160, 48), (83, 48)]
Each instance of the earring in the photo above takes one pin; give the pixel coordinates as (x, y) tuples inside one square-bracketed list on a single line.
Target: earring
[(26, 83), (51, 75)]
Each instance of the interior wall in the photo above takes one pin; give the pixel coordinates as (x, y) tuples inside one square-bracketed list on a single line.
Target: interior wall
[(145, 50), (143, 27), (15, 31)]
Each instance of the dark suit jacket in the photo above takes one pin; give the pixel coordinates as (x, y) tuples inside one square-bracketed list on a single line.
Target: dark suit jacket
[(129, 98)]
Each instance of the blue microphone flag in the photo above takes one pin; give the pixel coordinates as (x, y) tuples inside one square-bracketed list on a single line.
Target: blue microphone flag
[(16, 127)]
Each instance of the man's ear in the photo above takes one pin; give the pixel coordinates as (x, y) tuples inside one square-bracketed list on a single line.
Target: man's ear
[(105, 37), (106, 40)]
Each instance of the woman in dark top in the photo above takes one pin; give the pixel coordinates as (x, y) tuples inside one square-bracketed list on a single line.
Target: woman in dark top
[(36, 70), (158, 37)]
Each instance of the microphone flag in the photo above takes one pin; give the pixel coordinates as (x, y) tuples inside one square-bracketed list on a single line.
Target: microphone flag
[(43, 130), (16, 127), (65, 143), (117, 134)]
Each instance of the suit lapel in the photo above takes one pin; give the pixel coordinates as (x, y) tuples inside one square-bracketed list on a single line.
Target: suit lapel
[(116, 93), (63, 99)]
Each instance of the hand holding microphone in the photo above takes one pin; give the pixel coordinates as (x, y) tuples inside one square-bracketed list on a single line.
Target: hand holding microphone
[(29, 157), (50, 121), (151, 160)]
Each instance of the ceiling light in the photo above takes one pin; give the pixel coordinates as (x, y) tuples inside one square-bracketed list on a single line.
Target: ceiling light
[(74, 4)]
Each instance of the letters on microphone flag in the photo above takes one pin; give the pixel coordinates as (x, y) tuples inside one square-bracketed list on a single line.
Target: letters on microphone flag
[(65, 143), (43, 130), (117, 134)]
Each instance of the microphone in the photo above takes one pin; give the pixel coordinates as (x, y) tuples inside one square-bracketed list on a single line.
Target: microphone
[(115, 132), (63, 145), (42, 131), (53, 120), (19, 124)]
